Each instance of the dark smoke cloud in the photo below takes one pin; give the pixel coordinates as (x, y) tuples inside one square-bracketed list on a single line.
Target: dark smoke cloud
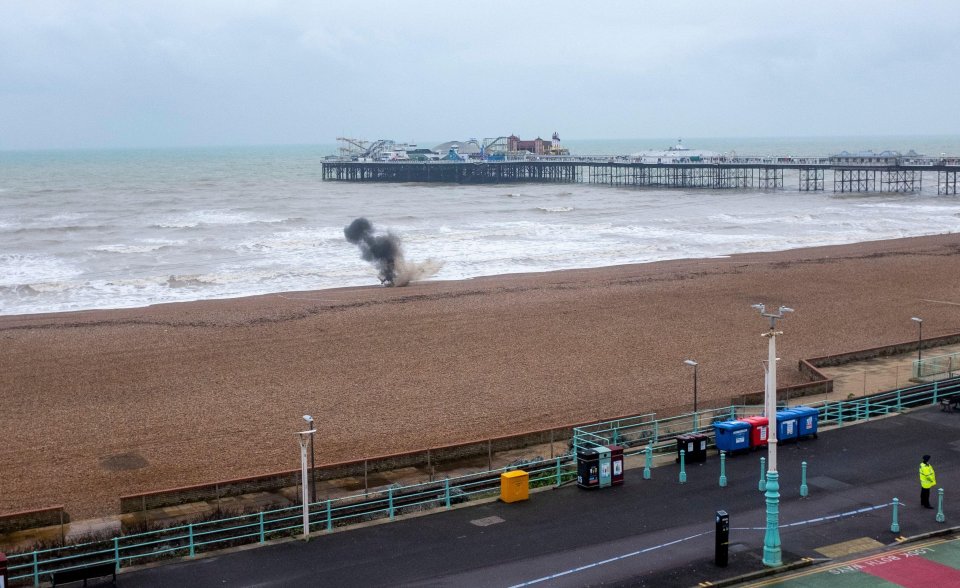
[(383, 251)]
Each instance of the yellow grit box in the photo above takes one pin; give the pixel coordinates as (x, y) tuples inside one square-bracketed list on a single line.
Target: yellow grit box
[(514, 486)]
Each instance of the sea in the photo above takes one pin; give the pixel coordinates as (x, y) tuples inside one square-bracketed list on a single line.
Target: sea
[(98, 229)]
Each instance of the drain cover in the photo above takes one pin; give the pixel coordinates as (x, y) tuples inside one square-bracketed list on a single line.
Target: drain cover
[(486, 521)]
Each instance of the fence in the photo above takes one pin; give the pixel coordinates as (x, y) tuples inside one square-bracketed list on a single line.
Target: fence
[(633, 433), (932, 367)]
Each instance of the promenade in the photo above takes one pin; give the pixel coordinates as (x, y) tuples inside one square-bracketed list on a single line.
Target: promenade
[(654, 532)]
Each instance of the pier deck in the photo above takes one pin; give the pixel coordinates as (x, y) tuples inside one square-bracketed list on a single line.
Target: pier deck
[(811, 174)]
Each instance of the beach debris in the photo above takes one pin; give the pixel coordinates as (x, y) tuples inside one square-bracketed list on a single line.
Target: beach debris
[(385, 252)]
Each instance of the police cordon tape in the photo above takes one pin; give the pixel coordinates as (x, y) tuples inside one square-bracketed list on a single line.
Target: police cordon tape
[(584, 567)]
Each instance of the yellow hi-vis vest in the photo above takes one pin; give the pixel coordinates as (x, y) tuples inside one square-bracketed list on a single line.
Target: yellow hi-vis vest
[(928, 478)]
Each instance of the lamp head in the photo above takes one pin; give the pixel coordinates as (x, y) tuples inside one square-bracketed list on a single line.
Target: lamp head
[(784, 309), (916, 319), (690, 362), (308, 418), (760, 307)]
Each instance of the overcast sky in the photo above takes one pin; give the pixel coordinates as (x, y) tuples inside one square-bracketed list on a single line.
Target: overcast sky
[(203, 72)]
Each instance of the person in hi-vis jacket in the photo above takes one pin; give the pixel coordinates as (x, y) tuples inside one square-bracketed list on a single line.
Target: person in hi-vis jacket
[(928, 479)]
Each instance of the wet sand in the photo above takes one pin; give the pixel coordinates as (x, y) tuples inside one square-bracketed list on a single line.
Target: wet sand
[(100, 404)]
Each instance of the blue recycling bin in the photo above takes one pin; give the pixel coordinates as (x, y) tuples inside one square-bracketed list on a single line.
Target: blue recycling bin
[(732, 436), (806, 421), (786, 425)]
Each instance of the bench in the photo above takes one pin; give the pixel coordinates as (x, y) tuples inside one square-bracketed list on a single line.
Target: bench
[(85, 573), (950, 403)]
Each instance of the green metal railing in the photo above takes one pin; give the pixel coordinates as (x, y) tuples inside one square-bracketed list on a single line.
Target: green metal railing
[(635, 434), (940, 365)]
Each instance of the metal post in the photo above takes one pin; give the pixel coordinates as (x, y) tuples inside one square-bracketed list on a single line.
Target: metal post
[(694, 364), (390, 501), (804, 491), (895, 526), (772, 552), (919, 322), (723, 469), (190, 531), (559, 473), (329, 516), (446, 492), (648, 462), (304, 481), (763, 476), (683, 471), (36, 564), (116, 552), (940, 517)]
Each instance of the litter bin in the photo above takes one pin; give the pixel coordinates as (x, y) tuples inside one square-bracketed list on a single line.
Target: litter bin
[(758, 430), (732, 436), (514, 486), (806, 421), (606, 471), (588, 469), (694, 445), (616, 463), (786, 425)]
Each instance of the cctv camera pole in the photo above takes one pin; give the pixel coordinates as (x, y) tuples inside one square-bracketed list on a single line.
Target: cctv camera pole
[(304, 481), (772, 553), (313, 464)]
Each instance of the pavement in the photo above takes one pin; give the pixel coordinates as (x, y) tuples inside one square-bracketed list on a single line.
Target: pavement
[(657, 532)]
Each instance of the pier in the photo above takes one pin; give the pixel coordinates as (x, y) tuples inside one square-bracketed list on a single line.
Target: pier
[(746, 173)]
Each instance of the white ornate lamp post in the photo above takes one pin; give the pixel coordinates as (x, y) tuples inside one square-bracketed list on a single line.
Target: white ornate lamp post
[(772, 554), (313, 465), (302, 438)]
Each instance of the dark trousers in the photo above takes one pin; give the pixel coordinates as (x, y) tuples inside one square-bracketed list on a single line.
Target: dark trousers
[(925, 497)]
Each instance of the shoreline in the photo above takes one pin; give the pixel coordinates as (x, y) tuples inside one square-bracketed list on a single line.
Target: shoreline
[(101, 403)]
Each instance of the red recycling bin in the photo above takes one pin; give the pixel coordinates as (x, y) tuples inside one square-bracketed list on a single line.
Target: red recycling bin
[(758, 430)]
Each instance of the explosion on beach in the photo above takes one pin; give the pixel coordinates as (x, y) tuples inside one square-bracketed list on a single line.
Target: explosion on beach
[(386, 254)]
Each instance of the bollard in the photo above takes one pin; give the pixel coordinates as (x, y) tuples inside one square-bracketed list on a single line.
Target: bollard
[(723, 469), (895, 527), (763, 477), (940, 517), (803, 480), (649, 461), (683, 471)]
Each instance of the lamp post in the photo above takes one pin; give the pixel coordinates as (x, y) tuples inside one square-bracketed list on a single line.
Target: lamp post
[(919, 322), (313, 465), (772, 553), (690, 362), (302, 438)]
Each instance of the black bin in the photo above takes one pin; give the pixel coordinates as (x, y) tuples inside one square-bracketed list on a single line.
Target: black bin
[(695, 446), (588, 469)]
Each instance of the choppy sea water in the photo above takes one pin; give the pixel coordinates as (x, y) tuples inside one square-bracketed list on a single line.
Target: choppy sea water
[(111, 229)]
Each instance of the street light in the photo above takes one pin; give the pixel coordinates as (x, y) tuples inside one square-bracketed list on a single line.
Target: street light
[(695, 415), (313, 465), (919, 322), (772, 553), (302, 438)]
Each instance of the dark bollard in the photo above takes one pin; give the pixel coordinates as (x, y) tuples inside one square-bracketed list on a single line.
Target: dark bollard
[(722, 544)]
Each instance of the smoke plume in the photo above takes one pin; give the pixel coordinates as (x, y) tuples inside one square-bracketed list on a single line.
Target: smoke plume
[(386, 254)]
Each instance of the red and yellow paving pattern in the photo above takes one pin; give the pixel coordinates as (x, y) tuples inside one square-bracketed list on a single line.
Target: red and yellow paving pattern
[(931, 564)]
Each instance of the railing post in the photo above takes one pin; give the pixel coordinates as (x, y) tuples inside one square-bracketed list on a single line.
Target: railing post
[(683, 471), (390, 501), (190, 529), (895, 526), (866, 407), (559, 473), (36, 569), (763, 477), (263, 536), (329, 516), (899, 405), (936, 389), (116, 552), (446, 491), (656, 431)]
